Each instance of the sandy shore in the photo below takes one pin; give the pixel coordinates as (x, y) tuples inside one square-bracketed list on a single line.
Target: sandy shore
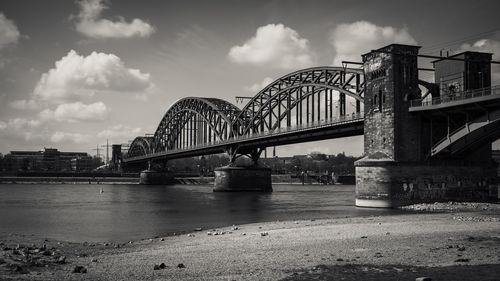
[(459, 243)]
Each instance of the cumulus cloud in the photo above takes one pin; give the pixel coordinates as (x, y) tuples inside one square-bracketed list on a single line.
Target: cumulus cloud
[(77, 111), (353, 39), (255, 88), (76, 76), (9, 34), (487, 46), (274, 45), (23, 104), (64, 137), (20, 128), (90, 24), (119, 132)]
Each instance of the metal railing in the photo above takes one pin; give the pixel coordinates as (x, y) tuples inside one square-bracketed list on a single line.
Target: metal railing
[(264, 134), (464, 95)]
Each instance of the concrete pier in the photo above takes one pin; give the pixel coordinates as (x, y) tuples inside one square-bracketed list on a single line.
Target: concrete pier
[(156, 177), (253, 178), (386, 184)]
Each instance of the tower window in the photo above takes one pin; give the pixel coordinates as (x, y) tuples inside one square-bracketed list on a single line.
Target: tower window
[(380, 99)]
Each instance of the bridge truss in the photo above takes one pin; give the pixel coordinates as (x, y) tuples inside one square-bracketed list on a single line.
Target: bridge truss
[(299, 100)]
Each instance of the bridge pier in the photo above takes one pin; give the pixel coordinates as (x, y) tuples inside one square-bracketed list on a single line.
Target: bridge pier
[(152, 176), (397, 169), (252, 178), (387, 184), (243, 178)]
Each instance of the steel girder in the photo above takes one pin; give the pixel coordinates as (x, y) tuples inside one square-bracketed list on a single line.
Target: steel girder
[(140, 146), (217, 114), (278, 99)]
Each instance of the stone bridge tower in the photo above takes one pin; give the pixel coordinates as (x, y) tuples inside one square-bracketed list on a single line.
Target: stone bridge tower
[(396, 168)]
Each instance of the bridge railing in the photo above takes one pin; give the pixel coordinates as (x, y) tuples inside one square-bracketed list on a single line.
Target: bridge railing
[(464, 95), (279, 131)]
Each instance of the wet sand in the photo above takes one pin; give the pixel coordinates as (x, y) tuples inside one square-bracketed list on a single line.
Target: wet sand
[(445, 242)]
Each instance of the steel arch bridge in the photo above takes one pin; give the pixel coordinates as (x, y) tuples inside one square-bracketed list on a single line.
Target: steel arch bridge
[(308, 104)]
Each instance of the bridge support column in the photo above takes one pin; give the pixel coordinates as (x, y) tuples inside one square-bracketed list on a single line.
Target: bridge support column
[(153, 176), (252, 178), (243, 178), (387, 184), (396, 169)]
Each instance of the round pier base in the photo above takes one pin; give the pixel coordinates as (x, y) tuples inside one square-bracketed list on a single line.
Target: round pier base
[(155, 177), (243, 179)]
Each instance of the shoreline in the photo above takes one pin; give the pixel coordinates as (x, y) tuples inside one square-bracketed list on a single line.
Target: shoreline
[(442, 242)]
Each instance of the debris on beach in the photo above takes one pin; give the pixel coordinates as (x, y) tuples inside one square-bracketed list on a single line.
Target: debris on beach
[(79, 269), (181, 265), (198, 229), (264, 234)]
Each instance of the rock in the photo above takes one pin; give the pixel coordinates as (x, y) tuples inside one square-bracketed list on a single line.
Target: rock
[(423, 279), (93, 260), (235, 228), (209, 233), (106, 244), (363, 237), (162, 239), (130, 242), (19, 269), (79, 269), (462, 260), (461, 249), (264, 234), (198, 229), (156, 267), (339, 259), (61, 260), (190, 235), (181, 265), (162, 265)]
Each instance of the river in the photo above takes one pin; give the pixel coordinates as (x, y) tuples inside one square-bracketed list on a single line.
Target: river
[(123, 212)]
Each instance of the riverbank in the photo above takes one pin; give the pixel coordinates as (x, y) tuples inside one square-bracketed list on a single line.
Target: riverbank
[(461, 244)]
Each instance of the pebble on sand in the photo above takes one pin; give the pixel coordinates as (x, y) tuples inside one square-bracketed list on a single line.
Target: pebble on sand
[(79, 269)]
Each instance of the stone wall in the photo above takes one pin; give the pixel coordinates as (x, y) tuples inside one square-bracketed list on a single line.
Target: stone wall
[(389, 184)]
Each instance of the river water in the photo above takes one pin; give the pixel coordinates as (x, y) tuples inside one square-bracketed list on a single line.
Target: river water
[(80, 212)]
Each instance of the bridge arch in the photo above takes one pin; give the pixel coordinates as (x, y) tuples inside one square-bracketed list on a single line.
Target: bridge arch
[(279, 99), (192, 120), (140, 146)]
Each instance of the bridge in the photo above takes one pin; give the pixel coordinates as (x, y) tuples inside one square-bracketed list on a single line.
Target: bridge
[(415, 132)]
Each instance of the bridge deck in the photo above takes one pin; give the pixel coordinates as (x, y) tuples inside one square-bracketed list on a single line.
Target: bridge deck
[(457, 99), (346, 126)]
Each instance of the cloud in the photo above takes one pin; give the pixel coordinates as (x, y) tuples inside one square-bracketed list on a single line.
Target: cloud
[(487, 46), (90, 24), (274, 45), (9, 34), (77, 111), (255, 88), (24, 104), (21, 129), (64, 137), (352, 40), (120, 132), (76, 76)]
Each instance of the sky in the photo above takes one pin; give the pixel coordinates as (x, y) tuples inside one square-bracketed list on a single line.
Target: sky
[(76, 73)]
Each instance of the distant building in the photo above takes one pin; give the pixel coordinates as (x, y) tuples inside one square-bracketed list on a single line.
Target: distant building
[(47, 159)]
